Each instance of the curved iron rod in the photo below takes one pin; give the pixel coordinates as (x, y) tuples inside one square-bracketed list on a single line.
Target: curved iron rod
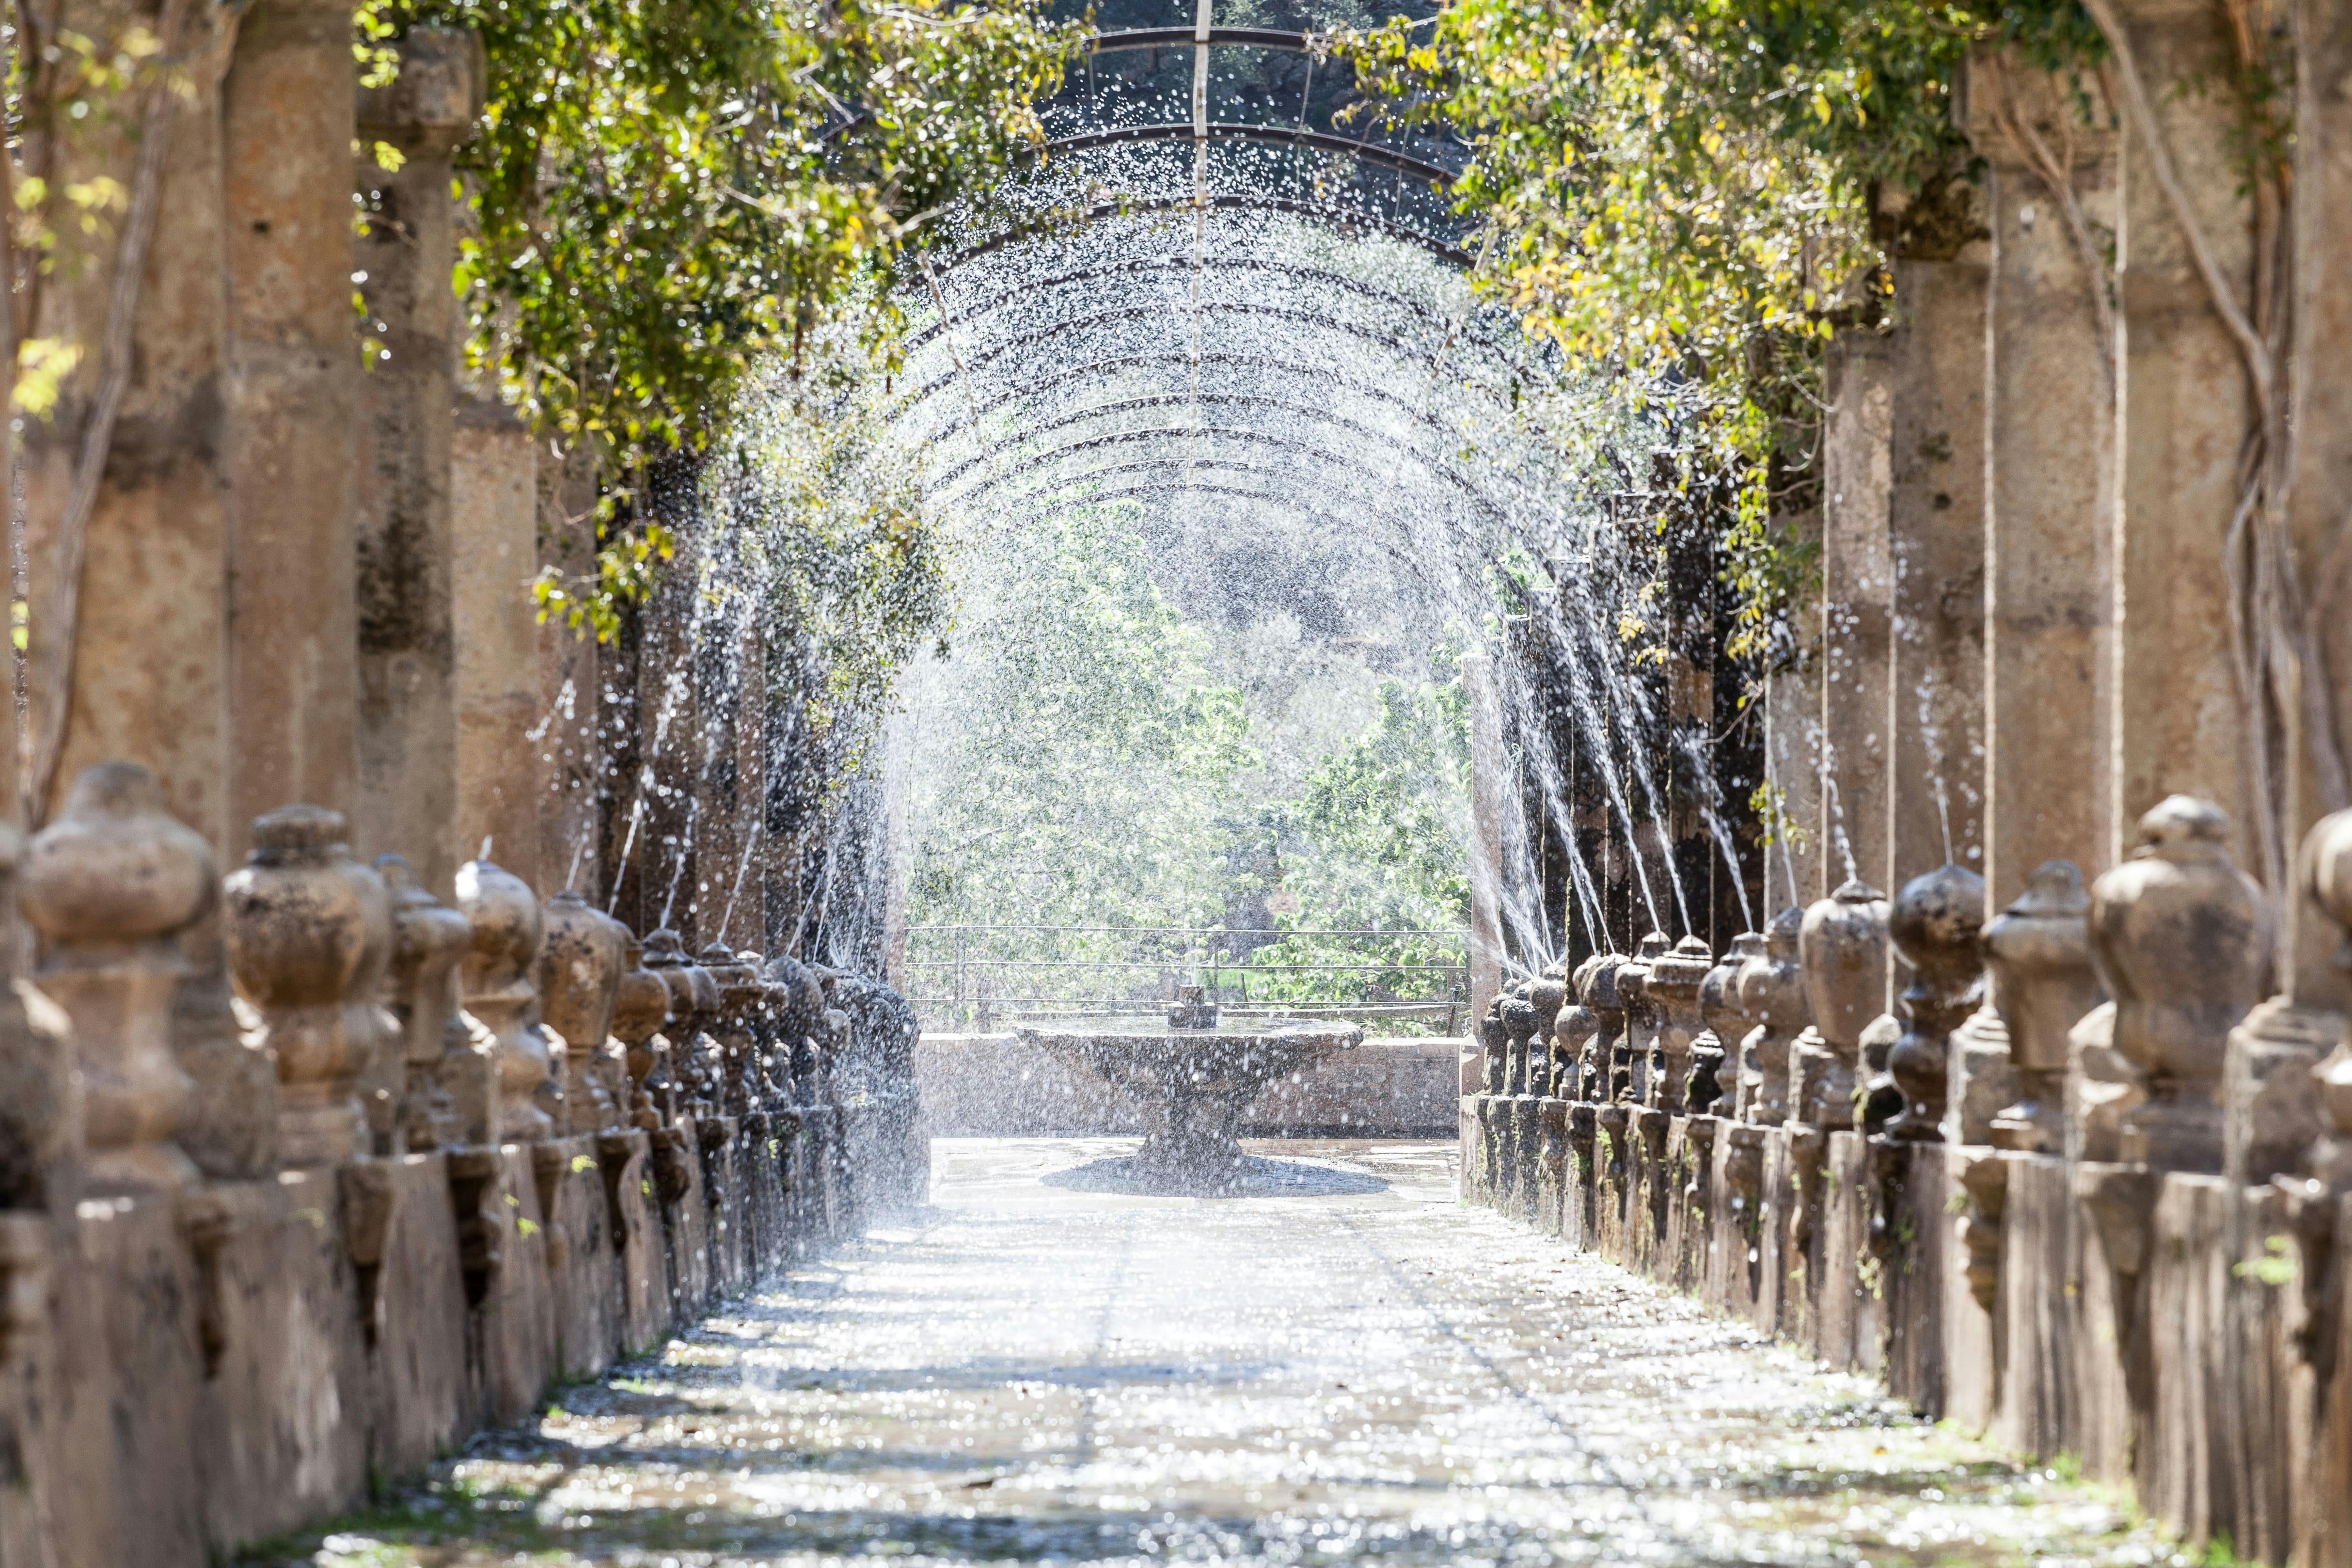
[(1006, 345), (1232, 201), (1172, 37), (1266, 135)]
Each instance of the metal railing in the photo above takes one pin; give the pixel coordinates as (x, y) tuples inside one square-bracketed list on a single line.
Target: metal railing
[(985, 977)]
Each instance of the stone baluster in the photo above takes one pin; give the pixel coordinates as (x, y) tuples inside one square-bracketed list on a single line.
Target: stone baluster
[(581, 962), (798, 1023), (2179, 936), (499, 992), (1518, 1106), (1573, 1035), (1547, 995), (739, 995), (1613, 1060), (1642, 1021), (1714, 1075), (2315, 1194), (40, 1105), (2038, 960), (694, 1004), (1738, 1025), (1843, 945), (448, 1076), (1772, 991), (1671, 991), (107, 885), (1933, 925), (640, 1009)]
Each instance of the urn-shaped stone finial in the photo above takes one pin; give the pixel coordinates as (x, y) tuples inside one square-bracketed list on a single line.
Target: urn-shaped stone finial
[(799, 1022), (40, 1094), (693, 1008), (1844, 942), (1610, 1054), (1494, 1049), (499, 992), (1772, 991), (1645, 1018), (1547, 996), (107, 885), (1519, 1027), (1728, 1023), (2038, 963), (579, 968), (738, 997), (309, 934), (2178, 935), (428, 940), (1671, 991), (1933, 925), (640, 1009), (1572, 1035)]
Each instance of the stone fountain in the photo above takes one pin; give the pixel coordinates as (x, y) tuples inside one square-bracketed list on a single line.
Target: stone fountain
[(1191, 1077)]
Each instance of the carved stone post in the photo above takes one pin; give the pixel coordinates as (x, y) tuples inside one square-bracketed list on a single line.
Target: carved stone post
[(499, 992), (1671, 991), (1573, 1035), (1714, 1086), (2178, 935), (693, 1004), (428, 938), (309, 933), (1517, 1107), (580, 967), (2037, 956), (107, 884), (1643, 1020), (1772, 991), (739, 993), (40, 1097), (640, 1009), (1844, 942), (1934, 926)]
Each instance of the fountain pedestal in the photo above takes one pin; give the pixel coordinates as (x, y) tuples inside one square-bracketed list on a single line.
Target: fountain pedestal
[(1192, 1084)]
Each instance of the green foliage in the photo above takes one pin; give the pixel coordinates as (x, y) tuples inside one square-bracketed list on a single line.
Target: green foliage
[(667, 190), (1697, 195), (1086, 756)]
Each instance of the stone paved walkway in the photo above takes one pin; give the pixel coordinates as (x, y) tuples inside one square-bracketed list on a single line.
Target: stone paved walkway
[(1344, 1367)]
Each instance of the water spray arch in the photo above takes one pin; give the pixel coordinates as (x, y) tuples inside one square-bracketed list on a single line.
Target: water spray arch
[(1246, 312)]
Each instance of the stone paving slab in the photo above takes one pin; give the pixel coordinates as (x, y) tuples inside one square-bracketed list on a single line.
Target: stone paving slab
[(1344, 1366)]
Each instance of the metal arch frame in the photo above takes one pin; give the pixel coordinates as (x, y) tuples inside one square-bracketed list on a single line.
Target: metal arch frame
[(1231, 399), (1362, 389), (1229, 201), (1006, 345), (1297, 138), (1279, 443), (1137, 493), (1113, 42), (1167, 262)]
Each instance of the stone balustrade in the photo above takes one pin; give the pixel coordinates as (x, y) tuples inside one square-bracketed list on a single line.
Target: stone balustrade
[(483, 1173)]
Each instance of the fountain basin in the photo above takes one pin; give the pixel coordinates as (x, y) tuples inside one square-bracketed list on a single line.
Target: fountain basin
[(1190, 1086)]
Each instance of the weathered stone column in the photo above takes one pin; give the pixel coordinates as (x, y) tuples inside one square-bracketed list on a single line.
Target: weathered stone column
[(1935, 536), (573, 669), (1857, 602), (407, 726), (494, 530), (293, 365), (2049, 559), (2184, 406), (2271, 1114), (154, 568)]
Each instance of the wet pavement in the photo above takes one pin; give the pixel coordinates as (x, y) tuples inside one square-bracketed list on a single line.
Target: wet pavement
[(1342, 1365)]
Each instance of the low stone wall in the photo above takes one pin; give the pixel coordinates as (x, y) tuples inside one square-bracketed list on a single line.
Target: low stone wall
[(2166, 1333), (187, 1374), (993, 1086)]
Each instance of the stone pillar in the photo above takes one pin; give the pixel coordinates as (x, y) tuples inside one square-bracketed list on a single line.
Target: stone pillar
[(1936, 539), (499, 992), (2184, 406), (293, 362), (572, 669), (2271, 1114), (1795, 859), (2038, 958), (153, 571), (1487, 790), (1843, 944), (580, 967), (1772, 991), (1857, 600), (436, 1109), (407, 724), (2049, 557), (1933, 924), (494, 531)]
